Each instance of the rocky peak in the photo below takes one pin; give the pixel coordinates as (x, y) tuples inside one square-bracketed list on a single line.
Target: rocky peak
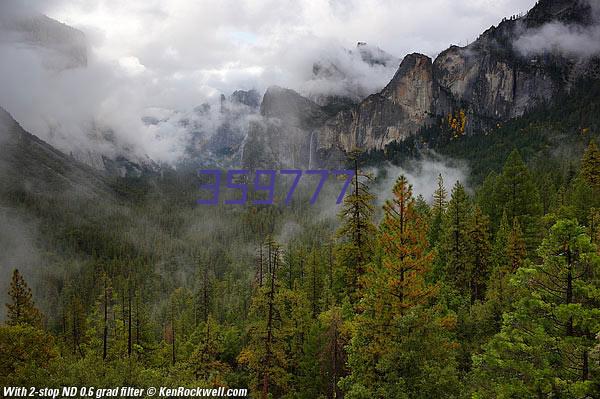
[(291, 107), (412, 85), (373, 55), (565, 11), (250, 98), (486, 82)]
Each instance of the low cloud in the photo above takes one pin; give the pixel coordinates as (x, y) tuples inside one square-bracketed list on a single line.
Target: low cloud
[(422, 175), (572, 40), (176, 55), (555, 37)]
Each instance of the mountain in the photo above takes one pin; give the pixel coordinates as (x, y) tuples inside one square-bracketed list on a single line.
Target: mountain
[(29, 166), (282, 136), (60, 46), (474, 88)]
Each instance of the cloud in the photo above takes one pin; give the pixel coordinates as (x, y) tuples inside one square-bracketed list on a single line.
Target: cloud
[(422, 174), (558, 38), (176, 55), (555, 37)]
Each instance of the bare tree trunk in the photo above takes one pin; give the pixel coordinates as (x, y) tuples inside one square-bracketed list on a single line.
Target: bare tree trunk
[(105, 333), (268, 342)]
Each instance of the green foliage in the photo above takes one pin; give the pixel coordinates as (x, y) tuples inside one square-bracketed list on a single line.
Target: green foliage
[(544, 347), (356, 234), (26, 353), (444, 299), (21, 309)]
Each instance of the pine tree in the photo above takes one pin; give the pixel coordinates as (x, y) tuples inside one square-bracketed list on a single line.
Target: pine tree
[(440, 196), (313, 283), (403, 241), (479, 249), (455, 240), (355, 235), (278, 320), (516, 250), (544, 346), (205, 359), (582, 198), (22, 309), (488, 200), (590, 165), (400, 346), (508, 255), (440, 203), (520, 198), (547, 191)]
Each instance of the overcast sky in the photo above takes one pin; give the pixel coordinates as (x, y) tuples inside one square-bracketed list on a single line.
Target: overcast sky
[(156, 56), (222, 44)]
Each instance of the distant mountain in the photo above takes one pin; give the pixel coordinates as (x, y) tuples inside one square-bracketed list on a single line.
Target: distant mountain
[(29, 165), (468, 90), (484, 84), (61, 46)]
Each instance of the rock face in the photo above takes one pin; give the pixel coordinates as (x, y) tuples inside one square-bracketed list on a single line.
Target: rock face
[(283, 135), (489, 81)]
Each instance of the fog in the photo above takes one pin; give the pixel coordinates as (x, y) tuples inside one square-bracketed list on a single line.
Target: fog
[(149, 55), (569, 40), (422, 174)]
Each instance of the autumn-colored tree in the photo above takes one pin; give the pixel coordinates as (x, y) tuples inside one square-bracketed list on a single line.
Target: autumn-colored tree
[(404, 245), (396, 336), (21, 309)]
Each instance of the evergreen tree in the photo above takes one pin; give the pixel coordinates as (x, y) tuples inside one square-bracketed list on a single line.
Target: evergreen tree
[(516, 250), (508, 254), (520, 198), (404, 246), (206, 359), (582, 199), (440, 202), (590, 165), (488, 200), (479, 249), (544, 347), (278, 322), (356, 233), (21, 309), (398, 340), (457, 262)]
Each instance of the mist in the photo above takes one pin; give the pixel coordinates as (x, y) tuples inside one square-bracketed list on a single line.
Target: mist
[(146, 56), (422, 174), (559, 38)]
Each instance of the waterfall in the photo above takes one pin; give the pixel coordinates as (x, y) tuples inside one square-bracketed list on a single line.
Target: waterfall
[(241, 149), (310, 149)]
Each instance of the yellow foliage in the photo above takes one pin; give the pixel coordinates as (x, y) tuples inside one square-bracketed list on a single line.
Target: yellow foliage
[(457, 122)]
